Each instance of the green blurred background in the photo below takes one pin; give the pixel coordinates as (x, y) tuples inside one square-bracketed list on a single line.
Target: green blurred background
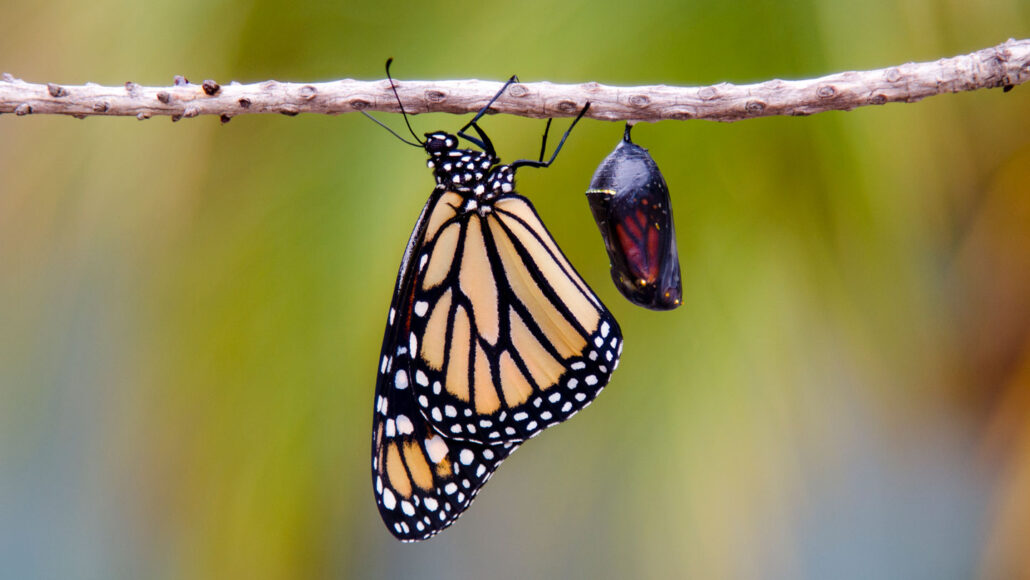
[(190, 314)]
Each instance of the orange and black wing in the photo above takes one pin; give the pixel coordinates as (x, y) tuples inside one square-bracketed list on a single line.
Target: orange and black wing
[(422, 480), (507, 338)]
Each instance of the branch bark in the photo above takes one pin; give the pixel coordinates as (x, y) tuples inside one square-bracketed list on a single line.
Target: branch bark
[(1005, 65)]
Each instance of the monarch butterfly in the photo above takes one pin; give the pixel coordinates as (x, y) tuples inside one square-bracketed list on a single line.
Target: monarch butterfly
[(631, 205), (492, 337)]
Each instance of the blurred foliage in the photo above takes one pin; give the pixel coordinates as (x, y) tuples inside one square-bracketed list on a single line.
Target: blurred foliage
[(190, 314)]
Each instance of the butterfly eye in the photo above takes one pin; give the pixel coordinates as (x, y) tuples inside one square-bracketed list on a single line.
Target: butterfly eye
[(630, 203), (439, 143)]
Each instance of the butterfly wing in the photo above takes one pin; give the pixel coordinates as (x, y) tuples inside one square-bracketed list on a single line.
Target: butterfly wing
[(422, 481), (507, 337)]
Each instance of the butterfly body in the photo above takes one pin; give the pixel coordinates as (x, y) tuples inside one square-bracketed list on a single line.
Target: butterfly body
[(492, 337)]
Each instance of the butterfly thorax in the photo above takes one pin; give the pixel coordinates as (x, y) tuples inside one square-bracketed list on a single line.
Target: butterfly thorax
[(473, 174)]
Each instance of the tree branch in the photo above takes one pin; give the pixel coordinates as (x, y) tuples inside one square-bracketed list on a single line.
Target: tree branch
[(1005, 65)]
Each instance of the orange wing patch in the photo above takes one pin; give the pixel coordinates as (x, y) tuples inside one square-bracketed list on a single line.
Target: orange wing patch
[(395, 471)]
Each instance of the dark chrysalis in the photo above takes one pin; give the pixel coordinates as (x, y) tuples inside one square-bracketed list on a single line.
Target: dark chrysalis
[(630, 203)]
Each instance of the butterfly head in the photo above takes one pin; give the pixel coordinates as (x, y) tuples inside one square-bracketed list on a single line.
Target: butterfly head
[(439, 144), (460, 170)]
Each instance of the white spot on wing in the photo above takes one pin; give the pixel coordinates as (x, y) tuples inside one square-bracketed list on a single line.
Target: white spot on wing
[(421, 307), (436, 447), (404, 425)]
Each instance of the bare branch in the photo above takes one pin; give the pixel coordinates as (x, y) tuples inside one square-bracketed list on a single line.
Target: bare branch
[(1005, 65)]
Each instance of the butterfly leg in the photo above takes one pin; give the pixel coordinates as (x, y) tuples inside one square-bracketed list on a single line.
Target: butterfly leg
[(485, 144), (541, 162)]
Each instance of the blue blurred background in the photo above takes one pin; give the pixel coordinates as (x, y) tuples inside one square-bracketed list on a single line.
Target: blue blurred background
[(190, 314)]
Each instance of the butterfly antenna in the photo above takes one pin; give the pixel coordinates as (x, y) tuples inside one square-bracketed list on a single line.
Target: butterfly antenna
[(389, 61), (392, 132), (418, 142)]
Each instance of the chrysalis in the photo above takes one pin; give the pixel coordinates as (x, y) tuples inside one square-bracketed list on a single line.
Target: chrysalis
[(630, 203)]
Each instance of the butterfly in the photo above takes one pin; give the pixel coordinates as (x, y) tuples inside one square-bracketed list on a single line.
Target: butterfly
[(631, 205), (492, 336)]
